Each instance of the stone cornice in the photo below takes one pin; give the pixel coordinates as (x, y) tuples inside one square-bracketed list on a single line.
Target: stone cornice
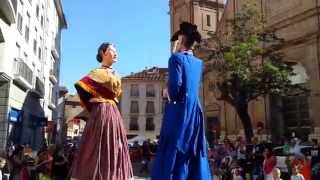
[(301, 40), (209, 4), (294, 19)]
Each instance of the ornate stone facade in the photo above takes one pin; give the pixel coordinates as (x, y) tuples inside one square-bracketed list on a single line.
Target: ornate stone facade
[(298, 22)]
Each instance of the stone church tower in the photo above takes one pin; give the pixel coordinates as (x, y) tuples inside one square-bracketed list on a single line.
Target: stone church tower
[(204, 13)]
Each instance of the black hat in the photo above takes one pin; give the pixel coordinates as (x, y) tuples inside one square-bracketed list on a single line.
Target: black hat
[(189, 30)]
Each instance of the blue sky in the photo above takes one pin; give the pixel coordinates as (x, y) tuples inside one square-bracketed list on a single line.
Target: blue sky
[(140, 29)]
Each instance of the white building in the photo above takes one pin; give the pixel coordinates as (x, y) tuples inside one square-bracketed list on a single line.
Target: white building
[(142, 103), (30, 34)]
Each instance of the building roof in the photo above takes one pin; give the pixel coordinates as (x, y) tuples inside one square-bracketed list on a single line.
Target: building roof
[(7, 11), (73, 98), (61, 15), (151, 74)]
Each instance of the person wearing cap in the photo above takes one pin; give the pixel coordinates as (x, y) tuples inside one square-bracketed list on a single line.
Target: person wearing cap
[(182, 150), (104, 152)]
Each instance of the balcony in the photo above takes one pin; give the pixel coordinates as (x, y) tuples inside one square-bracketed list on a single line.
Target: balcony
[(22, 74), (55, 48), (52, 103), (52, 76), (7, 11), (55, 52), (38, 91)]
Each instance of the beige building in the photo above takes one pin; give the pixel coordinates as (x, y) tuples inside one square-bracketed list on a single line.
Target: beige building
[(297, 21), (142, 103)]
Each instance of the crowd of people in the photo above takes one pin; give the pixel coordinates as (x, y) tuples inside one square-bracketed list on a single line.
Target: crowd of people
[(143, 154), (49, 163), (239, 160), (229, 160)]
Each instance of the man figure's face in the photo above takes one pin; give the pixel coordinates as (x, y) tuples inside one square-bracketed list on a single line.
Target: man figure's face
[(178, 44)]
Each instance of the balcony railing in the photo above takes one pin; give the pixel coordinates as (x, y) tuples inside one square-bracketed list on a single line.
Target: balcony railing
[(22, 74)]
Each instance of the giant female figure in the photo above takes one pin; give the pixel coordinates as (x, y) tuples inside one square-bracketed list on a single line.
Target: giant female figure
[(103, 153), (182, 151)]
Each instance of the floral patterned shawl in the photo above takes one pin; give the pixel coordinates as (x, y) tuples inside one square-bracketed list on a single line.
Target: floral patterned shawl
[(99, 83)]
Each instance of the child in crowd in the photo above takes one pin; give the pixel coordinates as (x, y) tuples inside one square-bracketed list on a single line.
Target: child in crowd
[(276, 174), (296, 173), (237, 174)]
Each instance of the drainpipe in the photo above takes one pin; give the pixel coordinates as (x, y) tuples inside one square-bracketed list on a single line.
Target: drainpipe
[(318, 36), (191, 12), (217, 14)]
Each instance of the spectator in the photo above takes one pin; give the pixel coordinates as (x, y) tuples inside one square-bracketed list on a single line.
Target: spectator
[(237, 174), (2, 165), (269, 164), (296, 174), (276, 174), (241, 154), (44, 164), (27, 149), (136, 144), (257, 171), (18, 169), (286, 148), (60, 165), (306, 168), (146, 157), (315, 153), (225, 168), (295, 147)]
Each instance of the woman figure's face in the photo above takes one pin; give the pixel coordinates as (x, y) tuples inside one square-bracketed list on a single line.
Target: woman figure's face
[(109, 56)]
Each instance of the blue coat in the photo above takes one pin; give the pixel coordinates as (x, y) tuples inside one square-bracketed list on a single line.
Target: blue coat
[(182, 150)]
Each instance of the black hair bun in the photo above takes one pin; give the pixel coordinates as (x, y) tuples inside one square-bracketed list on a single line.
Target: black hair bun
[(98, 57)]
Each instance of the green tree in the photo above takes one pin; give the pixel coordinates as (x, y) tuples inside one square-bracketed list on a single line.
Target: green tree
[(253, 65)]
